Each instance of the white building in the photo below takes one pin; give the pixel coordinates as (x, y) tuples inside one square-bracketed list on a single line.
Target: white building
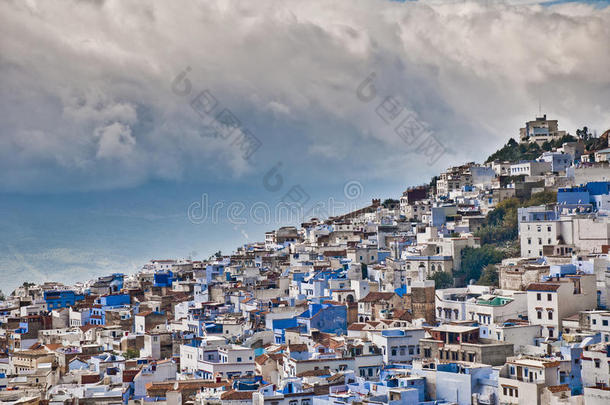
[(595, 366), (531, 168), (212, 361), (585, 232), (398, 345), (480, 304), (550, 302), (559, 161)]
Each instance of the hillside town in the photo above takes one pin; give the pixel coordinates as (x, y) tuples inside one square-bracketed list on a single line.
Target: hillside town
[(488, 285)]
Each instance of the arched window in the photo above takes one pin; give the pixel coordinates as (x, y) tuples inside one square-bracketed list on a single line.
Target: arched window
[(433, 268)]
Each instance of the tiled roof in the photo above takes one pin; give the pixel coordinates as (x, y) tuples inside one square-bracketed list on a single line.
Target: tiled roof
[(314, 373), (234, 395), (377, 296), (260, 360), (543, 287), (559, 388), (297, 348)]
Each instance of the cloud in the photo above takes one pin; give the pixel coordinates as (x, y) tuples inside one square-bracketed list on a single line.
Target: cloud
[(115, 141), (86, 99)]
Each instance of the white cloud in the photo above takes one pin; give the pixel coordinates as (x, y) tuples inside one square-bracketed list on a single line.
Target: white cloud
[(115, 141), (85, 95)]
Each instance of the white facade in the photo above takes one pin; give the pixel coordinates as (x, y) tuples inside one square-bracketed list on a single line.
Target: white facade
[(398, 345), (485, 307), (550, 302), (533, 168), (224, 361)]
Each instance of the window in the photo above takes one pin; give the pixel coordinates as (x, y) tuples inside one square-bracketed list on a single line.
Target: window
[(605, 322), (550, 332), (539, 314), (549, 297), (239, 359), (550, 315), (539, 296), (427, 352)]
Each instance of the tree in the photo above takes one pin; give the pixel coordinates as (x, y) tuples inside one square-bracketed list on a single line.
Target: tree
[(475, 259), (544, 197), (547, 146), (489, 276), (514, 152), (432, 184), (442, 279), (390, 203), (583, 133), (131, 354), (501, 224)]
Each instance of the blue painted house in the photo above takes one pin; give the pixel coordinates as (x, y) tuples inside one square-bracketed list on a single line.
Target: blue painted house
[(326, 318), (164, 278), (61, 299), (105, 302)]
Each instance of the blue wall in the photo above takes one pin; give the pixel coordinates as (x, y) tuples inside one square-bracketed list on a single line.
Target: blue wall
[(61, 299)]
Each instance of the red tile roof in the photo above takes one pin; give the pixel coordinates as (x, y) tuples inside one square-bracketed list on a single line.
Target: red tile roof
[(543, 287), (234, 395), (378, 296)]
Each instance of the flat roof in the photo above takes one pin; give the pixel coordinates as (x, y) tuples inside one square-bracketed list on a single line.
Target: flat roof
[(455, 328)]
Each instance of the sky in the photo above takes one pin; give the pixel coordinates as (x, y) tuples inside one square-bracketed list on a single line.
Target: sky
[(112, 145)]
